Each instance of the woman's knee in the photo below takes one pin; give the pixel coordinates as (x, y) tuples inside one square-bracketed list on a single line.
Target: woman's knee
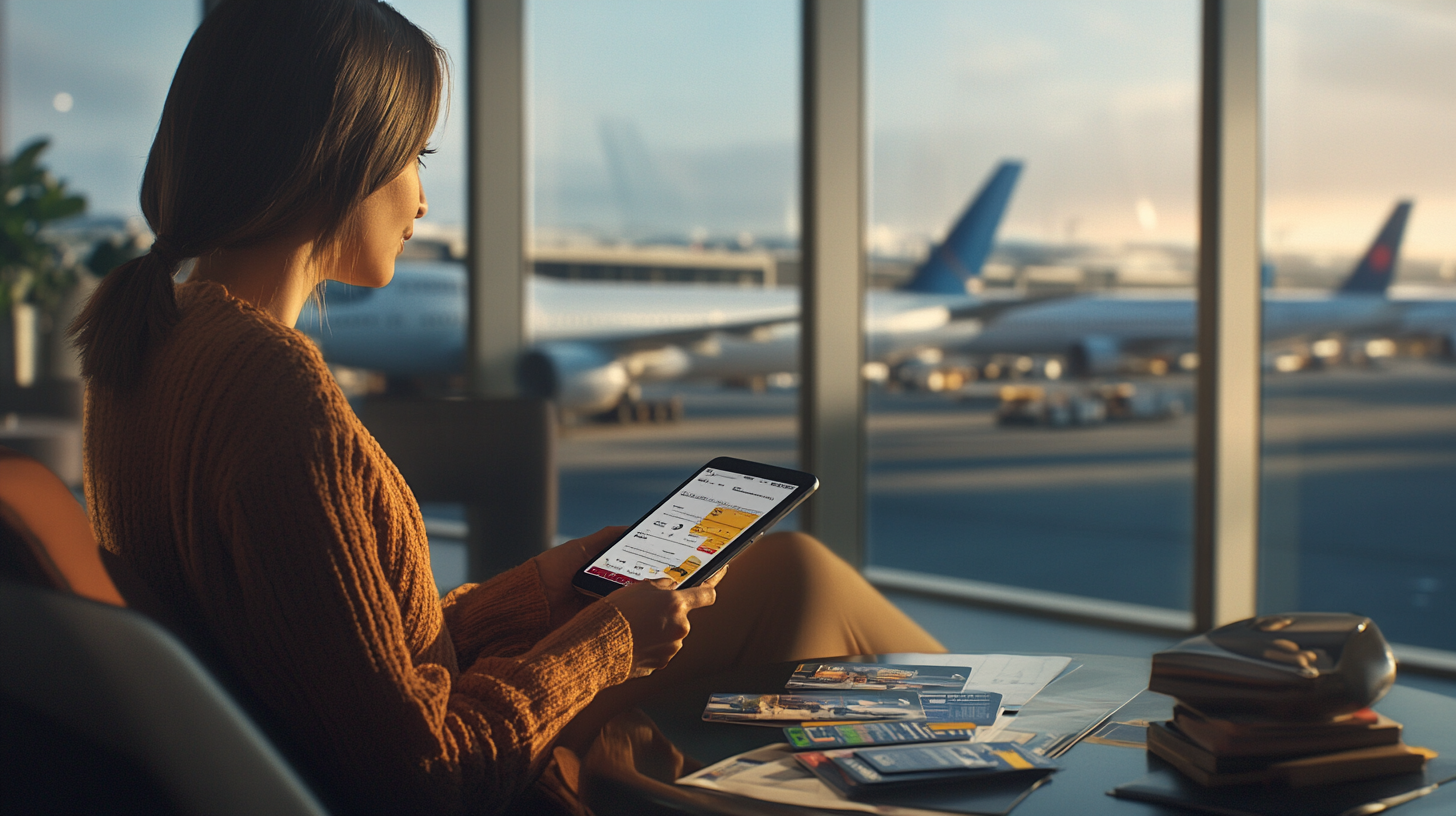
[(791, 552), (790, 562)]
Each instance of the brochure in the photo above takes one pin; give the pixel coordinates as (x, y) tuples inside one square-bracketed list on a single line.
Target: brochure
[(979, 707), (927, 758), (862, 770), (961, 784), (874, 733), (815, 675), (771, 774), (812, 706)]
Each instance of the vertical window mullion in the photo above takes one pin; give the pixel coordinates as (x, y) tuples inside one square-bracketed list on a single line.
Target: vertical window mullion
[(1230, 316), (831, 391), (496, 228)]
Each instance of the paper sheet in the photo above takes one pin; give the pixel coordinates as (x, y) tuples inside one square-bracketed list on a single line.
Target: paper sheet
[(772, 775), (1077, 704), (1017, 678)]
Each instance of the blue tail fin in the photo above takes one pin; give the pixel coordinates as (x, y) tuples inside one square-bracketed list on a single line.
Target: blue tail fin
[(1372, 275), (964, 250)]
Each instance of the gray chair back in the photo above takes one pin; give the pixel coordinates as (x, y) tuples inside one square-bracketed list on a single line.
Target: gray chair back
[(495, 456), (120, 681)]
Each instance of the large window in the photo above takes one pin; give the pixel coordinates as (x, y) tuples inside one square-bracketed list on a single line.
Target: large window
[(663, 155), (1044, 441), (93, 84), (1359, 452), (1029, 397)]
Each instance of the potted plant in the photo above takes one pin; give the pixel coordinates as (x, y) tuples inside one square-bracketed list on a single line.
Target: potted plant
[(35, 273)]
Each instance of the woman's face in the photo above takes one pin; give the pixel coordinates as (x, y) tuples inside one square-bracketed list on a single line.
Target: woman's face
[(384, 221)]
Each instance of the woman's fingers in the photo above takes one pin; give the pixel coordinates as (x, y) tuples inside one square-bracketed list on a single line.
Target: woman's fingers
[(659, 617), (699, 596)]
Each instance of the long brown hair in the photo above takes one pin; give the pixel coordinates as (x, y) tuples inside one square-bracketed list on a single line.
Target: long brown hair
[(280, 111)]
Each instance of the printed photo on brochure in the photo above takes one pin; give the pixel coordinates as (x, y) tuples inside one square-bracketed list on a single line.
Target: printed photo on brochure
[(865, 734), (815, 675), (813, 706)]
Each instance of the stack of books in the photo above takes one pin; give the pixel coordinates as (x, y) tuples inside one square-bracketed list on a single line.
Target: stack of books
[(1248, 749)]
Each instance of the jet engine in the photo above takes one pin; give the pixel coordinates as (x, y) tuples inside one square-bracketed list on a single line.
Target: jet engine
[(1092, 356), (580, 377)]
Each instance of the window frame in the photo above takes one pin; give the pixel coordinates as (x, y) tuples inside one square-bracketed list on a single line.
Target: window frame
[(832, 434)]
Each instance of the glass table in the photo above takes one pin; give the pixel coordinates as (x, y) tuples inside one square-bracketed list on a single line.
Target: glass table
[(631, 766)]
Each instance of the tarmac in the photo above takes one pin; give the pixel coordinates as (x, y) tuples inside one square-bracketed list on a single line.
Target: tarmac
[(1359, 475)]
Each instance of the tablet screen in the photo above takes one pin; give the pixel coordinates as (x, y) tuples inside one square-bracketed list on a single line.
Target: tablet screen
[(688, 530)]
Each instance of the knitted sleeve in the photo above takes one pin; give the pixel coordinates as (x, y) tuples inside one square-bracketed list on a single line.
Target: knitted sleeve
[(315, 627), (505, 615)]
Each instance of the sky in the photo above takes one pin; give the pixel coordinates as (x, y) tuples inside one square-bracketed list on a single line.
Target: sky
[(658, 117), (1098, 99), (1360, 109)]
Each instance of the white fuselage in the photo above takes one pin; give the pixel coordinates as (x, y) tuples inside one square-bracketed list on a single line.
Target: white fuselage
[(1144, 319), (417, 323)]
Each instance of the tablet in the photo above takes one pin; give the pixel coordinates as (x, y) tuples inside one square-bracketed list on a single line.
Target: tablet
[(706, 522)]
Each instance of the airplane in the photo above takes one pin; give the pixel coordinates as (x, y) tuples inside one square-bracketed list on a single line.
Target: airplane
[(1430, 317), (593, 343), (1094, 331)]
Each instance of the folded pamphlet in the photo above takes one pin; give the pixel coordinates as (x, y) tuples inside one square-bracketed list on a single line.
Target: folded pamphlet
[(958, 757), (861, 772), (848, 735), (813, 706), (965, 710), (887, 676)]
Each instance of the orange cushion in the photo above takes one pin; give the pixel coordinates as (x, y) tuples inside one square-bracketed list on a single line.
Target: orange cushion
[(53, 516)]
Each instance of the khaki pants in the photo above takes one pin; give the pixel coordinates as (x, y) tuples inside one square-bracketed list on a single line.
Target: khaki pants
[(787, 598)]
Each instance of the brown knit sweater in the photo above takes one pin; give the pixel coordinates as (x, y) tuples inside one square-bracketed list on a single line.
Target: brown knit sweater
[(238, 482)]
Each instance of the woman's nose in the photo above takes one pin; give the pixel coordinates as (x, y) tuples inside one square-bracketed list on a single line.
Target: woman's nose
[(424, 204)]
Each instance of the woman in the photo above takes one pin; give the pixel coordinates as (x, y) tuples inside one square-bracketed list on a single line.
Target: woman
[(225, 467)]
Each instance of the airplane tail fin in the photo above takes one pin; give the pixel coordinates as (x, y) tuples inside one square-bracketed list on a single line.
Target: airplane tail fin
[(647, 200), (965, 248), (1372, 275)]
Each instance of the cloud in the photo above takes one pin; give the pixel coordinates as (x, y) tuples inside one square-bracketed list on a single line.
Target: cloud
[(1381, 50)]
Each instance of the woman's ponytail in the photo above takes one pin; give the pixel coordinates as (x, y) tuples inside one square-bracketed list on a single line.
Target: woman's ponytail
[(130, 313)]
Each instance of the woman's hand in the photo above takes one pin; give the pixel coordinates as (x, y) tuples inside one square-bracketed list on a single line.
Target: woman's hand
[(560, 564), (658, 616)]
